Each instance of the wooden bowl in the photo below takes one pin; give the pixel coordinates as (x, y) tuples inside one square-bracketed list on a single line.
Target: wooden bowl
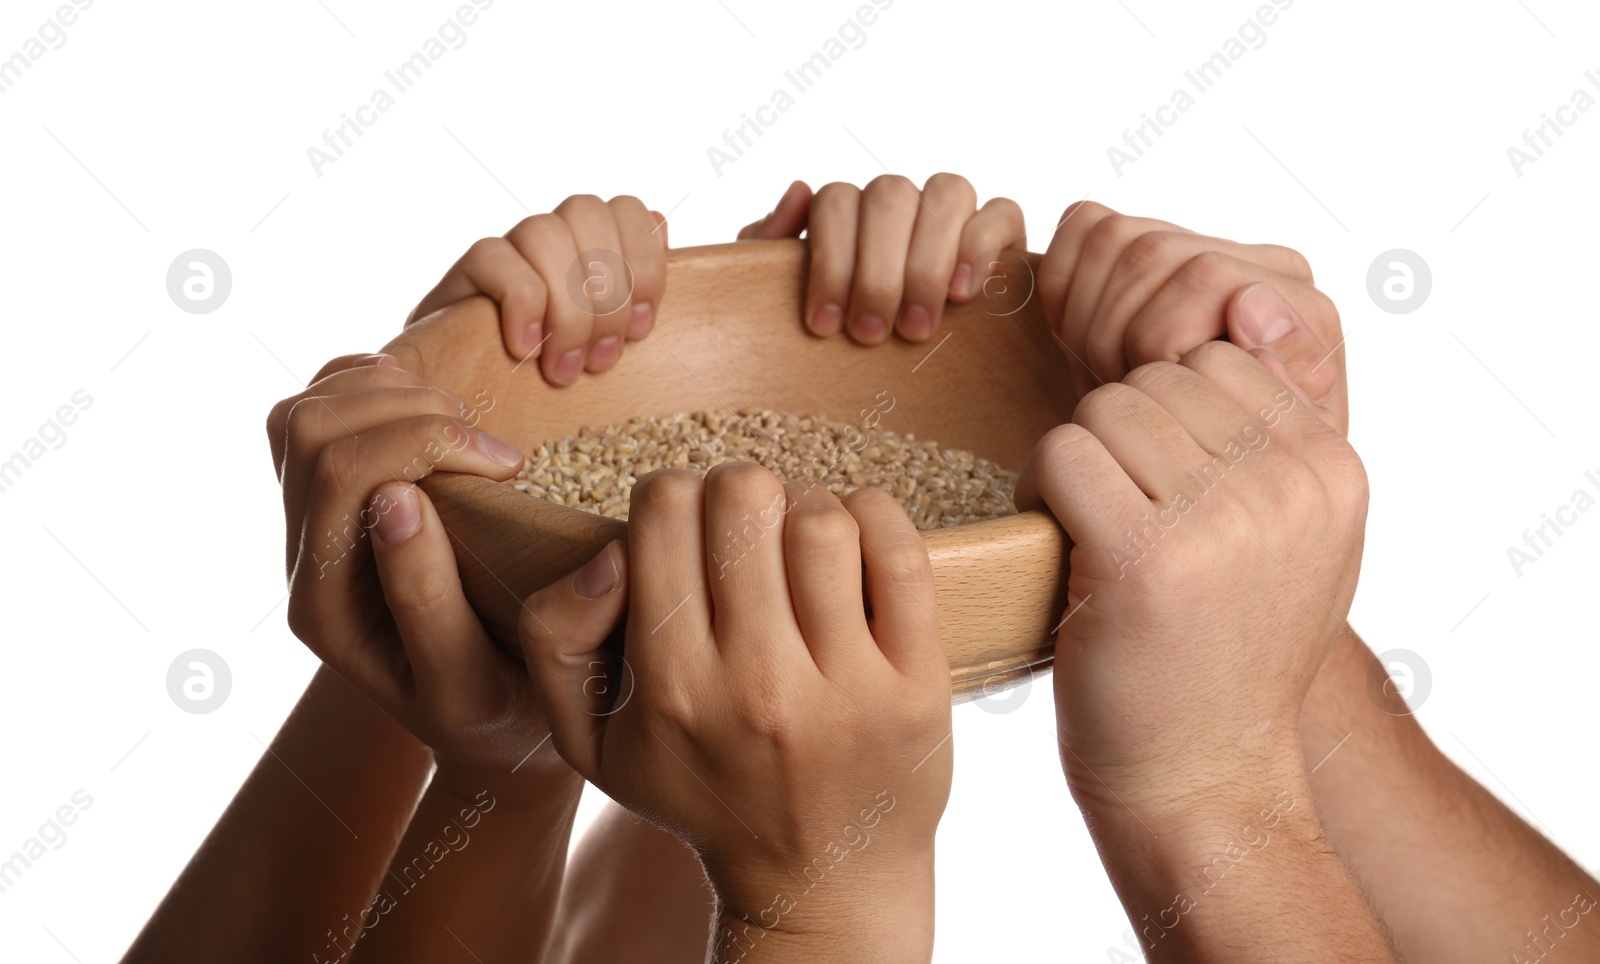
[(728, 336)]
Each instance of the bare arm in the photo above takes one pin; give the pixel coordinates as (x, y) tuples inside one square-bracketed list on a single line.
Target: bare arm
[(303, 843), (1456, 875), (478, 873)]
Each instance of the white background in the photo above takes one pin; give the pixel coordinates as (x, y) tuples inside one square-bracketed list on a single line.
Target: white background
[(160, 127)]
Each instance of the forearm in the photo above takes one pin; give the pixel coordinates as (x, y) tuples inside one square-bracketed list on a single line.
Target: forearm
[(304, 842), (1241, 875), (478, 869), (1453, 872)]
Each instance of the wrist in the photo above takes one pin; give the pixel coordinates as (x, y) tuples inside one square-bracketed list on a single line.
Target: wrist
[(854, 909), (547, 790)]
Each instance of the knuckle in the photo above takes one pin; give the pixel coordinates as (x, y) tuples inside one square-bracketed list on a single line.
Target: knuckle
[(924, 283), (951, 189), (1152, 376), (1208, 355), (743, 480), (1082, 215), (334, 471), (1150, 251), (815, 526), (303, 425), (1203, 272), (582, 205), (485, 247), (1109, 401), (665, 491), (893, 191), (1062, 446), (903, 560), (836, 198), (1109, 231), (1297, 263)]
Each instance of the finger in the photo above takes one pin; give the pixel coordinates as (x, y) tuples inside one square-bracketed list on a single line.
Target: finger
[(1266, 395), (606, 291), (278, 416), (494, 267), (546, 242), (334, 559), (1057, 269), (744, 510), (786, 220), (563, 629), (1150, 445), (670, 616), (889, 205), (646, 257), (1103, 246), (1207, 414), (835, 216), (661, 227), (460, 675), (998, 226), (1077, 479), (315, 422), (1260, 317), (822, 555), (948, 202), (1189, 308), (899, 585)]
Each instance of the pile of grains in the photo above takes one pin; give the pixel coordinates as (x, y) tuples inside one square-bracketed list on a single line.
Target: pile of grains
[(938, 487)]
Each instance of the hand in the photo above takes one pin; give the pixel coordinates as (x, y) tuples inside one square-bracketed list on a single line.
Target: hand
[(388, 612), (572, 315), (887, 256), (1122, 291), (760, 715), (1217, 525)]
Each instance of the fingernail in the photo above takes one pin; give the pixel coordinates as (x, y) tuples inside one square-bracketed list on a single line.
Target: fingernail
[(380, 360), (827, 320), (960, 280), (870, 328), (399, 516), (568, 366), (532, 338), (604, 353), (599, 576), (1264, 317), (917, 324), (641, 321), (499, 449)]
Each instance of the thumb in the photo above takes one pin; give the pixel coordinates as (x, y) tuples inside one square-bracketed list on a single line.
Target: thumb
[(564, 630), (1260, 319)]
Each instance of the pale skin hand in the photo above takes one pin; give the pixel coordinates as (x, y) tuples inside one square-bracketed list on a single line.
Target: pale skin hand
[(1450, 869), (773, 726), (886, 257), (527, 274), (1177, 699), (380, 601)]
